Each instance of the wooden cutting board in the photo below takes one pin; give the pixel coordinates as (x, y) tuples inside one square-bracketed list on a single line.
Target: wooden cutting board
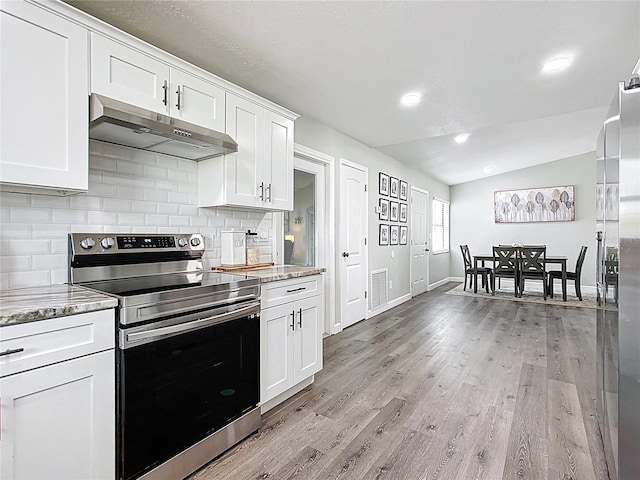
[(238, 268)]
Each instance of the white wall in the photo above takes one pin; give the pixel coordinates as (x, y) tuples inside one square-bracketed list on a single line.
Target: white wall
[(472, 220), (129, 191), (320, 137)]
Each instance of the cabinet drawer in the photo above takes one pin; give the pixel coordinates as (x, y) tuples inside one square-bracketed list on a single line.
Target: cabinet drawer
[(283, 291), (55, 340)]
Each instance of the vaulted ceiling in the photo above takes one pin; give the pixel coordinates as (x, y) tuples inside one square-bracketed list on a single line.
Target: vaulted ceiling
[(477, 66)]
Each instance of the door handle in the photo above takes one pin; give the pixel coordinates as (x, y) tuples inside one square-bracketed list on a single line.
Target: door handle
[(345, 254), (293, 320), (426, 249), (268, 197), (165, 87), (178, 93), (11, 351), (300, 318), (261, 191)]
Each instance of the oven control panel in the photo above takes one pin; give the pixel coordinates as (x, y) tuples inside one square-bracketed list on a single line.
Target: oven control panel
[(104, 243)]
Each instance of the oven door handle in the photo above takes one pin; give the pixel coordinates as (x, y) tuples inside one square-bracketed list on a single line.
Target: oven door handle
[(131, 339)]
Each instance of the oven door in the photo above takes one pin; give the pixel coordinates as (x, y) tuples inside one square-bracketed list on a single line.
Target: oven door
[(182, 379)]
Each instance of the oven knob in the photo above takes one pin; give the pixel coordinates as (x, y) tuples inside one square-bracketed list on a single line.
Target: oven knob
[(195, 241), (107, 243), (182, 242), (87, 243)]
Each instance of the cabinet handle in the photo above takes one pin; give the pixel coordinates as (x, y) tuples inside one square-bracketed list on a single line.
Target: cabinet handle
[(262, 191), (297, 289), (300, 318), (9, 351), (178, 93), (165, 87), (269, 197), (293, 320)]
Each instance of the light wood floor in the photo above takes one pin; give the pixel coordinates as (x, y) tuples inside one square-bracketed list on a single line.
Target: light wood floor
[(441, 387)]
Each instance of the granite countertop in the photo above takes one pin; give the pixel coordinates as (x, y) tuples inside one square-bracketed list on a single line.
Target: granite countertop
[(281, 272), (22, 305)]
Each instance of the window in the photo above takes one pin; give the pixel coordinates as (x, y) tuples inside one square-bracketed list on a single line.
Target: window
[(440, 226)]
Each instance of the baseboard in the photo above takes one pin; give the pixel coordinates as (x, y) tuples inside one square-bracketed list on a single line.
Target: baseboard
[(456, 279), (266, 406), (388, 306), (440, 283)]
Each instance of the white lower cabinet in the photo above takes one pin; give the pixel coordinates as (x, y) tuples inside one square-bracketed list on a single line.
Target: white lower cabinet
[(291, 344), (58, 420)]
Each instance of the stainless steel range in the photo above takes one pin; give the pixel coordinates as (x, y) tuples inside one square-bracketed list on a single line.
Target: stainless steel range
[(188, 372)]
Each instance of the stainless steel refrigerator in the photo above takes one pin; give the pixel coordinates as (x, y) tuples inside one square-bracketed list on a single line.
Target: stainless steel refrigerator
[(618, 283)]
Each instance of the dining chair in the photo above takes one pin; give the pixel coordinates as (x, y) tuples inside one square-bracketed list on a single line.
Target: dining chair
[(575, 276), (533, 266), (505, 265), (469, 271)]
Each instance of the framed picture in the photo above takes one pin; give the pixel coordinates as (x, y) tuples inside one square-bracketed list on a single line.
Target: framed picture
[(547, 204), (403, 213), (404, 187), (384, 209), (393, 187), (395, 233), (384, 234), (393, 211), (403, 235), (383, 184)]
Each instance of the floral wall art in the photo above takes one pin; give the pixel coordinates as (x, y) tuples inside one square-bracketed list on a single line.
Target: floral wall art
[(547, 204)]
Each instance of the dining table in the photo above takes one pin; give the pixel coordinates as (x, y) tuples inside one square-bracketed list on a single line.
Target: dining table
[(555, 259)]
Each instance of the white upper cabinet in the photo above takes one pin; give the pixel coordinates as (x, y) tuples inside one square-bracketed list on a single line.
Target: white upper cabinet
[(43, 101), (260, 174), (133, 77)]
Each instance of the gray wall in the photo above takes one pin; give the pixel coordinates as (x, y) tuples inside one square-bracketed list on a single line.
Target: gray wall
[(472, 220), (318, 136)]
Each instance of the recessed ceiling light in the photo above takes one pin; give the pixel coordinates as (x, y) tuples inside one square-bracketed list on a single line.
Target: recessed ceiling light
[(556, 64), (411, 99), (489, 169), (461, 138)]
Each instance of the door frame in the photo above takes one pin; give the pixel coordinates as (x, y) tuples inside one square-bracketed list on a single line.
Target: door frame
[(326, 240), (344, 162), (428, 225)]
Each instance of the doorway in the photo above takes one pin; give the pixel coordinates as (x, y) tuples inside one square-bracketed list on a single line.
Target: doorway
[(419, 241), (352, 256)]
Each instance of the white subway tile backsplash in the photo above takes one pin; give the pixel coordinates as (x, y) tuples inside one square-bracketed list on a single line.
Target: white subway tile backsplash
[(130, 191), (102, 218), (117, 205), (168, 208), (29, 215), (156, 195), (85, 202), (69, 216), (155, 172), (156, 220), (15, 263), (29, 279), (130, 168), (47, 262), (143, 207), (131, 219), (28, 247)]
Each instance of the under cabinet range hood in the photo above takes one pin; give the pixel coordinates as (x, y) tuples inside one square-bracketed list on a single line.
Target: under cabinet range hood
[(116, 122)]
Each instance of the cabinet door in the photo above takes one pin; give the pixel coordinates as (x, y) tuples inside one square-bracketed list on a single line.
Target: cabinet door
[(245, 124), (276, 351), (201, 102), (125, 74), (308, 342), (58, 422), (43, 59), (278, 162)]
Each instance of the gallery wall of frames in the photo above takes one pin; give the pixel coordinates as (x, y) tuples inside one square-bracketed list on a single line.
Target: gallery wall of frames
[(392, 210)]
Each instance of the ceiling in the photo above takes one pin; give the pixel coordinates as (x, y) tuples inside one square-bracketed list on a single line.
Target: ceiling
[(477, 65)]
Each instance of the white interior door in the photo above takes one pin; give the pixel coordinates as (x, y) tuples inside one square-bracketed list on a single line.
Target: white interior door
[(419, 241), (352, 251)]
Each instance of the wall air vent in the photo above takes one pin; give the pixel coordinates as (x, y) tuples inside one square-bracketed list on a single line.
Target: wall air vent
[(379, 293)]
